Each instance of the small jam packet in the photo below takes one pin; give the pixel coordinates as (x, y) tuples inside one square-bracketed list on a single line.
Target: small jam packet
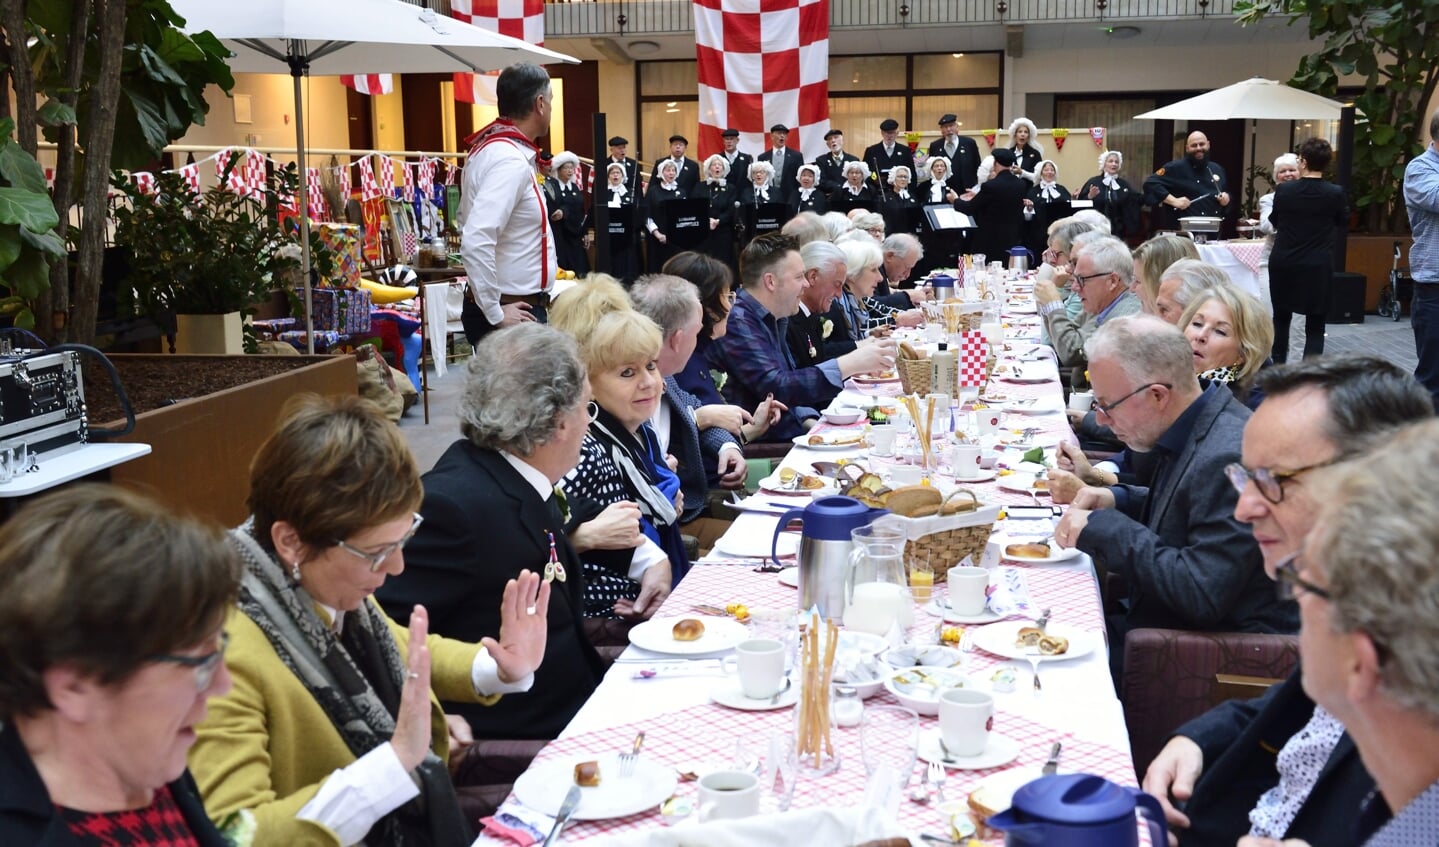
[(519, 824)]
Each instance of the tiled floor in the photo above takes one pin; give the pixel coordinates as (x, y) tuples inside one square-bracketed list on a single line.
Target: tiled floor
[(1376, 336)]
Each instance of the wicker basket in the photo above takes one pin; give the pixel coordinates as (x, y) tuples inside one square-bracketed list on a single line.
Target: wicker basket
[(965, 533), (914, 375)]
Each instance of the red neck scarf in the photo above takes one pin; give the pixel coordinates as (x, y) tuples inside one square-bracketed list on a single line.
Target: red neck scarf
[(500, 128)]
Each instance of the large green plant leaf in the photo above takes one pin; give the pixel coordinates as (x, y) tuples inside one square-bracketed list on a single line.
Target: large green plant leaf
[(33, 211), (20, 168), (10, 245)]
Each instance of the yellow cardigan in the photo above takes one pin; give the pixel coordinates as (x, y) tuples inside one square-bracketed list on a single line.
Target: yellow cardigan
[(267, 745)]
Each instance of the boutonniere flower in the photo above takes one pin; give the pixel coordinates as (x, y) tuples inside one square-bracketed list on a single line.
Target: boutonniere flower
[(238, 828), (720, 378), (826, 326), (563, 502)]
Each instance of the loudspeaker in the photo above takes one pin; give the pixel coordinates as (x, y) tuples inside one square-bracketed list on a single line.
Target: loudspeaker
[(1346, 299)]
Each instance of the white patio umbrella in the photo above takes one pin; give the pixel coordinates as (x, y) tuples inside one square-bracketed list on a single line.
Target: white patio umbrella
[(330, 37), (1255, 98)]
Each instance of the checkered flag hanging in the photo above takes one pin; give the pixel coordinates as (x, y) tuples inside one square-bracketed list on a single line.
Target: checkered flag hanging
[(254, 173), (314, 196), (407, 182), (425, 176), (385, 175), (343, 179), (522, 19), (145, 182), (369, 189), (763, 62), (369, 83), (191, 174), (973, 350)]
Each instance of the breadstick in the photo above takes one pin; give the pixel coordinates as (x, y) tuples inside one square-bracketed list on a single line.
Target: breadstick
[(833, 634)]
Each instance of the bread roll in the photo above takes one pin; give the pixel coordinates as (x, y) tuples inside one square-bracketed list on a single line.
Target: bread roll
[(1028, 636), (908, 351), (688, 629), (1029, 550), (587, 774), (912, 498), (1053, 645)]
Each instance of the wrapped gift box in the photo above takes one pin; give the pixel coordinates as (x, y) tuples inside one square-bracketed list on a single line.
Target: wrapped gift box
[(344, 310), (342, 240)]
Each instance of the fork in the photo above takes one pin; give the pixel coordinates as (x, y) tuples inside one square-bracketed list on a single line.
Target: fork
[(627, 760), (937, 776)]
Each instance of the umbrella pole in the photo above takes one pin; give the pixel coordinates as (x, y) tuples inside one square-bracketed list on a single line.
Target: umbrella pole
[(1253, 161), (299, 66)]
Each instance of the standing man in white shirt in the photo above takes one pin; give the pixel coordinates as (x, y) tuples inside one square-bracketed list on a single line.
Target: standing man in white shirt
[(506, 242)]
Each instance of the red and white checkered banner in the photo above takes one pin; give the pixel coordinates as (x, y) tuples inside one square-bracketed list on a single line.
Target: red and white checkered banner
[(50, 178), (144, 181), (385, 175), (452, 173), (254, 172), (763, 62), (407, 182), (314, 196), (346, 183), (425, 176), (191, 174), (973, 350), (522, 19), (369, 83), (369, 189)]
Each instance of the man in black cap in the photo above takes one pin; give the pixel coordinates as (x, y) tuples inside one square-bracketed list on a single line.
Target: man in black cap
[(888, 153), (962, 153), (998, 209), (619, 146), (689, 170), (831, 164), (786, 164), (739, 161)]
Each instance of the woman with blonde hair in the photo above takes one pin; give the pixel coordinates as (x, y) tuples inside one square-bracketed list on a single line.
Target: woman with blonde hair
[(862, 259), (1152, 259), (1231, 336)]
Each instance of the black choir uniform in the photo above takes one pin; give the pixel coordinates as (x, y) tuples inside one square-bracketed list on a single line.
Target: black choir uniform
[(632, 173), (624, 249), (815, 201), (786, 173), (902, 211), (1118, 202), (843, 200), (688, 176), (881, 162), (941, 247), (1028, 159), (963, 162), (998, 211), (738, 166), (658, 212), (723, 196), (1047, 210), (831, 170), (569, 230)]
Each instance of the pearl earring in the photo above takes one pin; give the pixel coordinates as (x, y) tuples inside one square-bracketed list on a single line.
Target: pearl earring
[(295, 571)]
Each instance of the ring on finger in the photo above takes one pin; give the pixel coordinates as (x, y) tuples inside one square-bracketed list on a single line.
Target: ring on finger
[(530, 610), (412, 675)]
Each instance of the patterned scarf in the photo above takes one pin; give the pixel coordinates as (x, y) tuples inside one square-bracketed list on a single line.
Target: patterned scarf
[(285, 613), (1223, 376), (631, 457)]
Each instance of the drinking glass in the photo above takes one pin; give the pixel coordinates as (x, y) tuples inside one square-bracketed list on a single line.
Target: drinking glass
[(888, 735)]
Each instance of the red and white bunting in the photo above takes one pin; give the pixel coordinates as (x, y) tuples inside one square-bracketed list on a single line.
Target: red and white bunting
[(145, 182), (522, 19), (407, 182), (369, 83), (255, 173), (385, 175), (191, 174), (425, 176), (369, 189), (347, 186), (314, 195)]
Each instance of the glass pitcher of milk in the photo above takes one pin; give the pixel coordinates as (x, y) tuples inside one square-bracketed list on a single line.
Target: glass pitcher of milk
[(876, 593)]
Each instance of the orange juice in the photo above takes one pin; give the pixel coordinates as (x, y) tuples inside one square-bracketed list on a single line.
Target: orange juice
[(921, 584)]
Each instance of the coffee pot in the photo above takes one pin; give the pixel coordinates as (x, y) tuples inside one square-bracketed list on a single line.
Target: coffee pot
[(942, 286), (1020, 259), (824, 549), (1079, 810)]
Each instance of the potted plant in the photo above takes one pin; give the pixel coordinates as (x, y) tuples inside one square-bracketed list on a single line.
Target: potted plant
[(199, 261)]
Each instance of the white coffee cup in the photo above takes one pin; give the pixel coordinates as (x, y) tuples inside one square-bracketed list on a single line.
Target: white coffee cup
[(964, 461), (906, 475), (966, 590), (986, 421), (1081, 401), (760, 665), (881, 439), (728, 795), (966, 718)]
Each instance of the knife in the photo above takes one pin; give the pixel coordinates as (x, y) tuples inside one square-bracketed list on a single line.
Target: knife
[(567, 808), (1051, 766)]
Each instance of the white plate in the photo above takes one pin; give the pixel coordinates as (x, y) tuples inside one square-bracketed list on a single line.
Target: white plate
[(772, 485), (750, 545), (803, 441), (729, 695), (985, 475), (1000, 750), (543, 787), (999, 640), (949, 614), (1021, 483), (789, 576), (657, 634), (867, 379), (1041, 406), (1057, 555)]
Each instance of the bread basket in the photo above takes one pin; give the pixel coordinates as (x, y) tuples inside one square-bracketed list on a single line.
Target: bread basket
[(942, 541)]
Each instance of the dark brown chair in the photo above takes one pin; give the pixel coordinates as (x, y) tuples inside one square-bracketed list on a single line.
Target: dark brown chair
[(1170, 677), (767, 449)]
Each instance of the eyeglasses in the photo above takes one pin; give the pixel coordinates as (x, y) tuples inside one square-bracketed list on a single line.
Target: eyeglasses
[(1108, 408), (205, 666), (1289, 581), (378, 557), (1081, 279), (1269, 481)]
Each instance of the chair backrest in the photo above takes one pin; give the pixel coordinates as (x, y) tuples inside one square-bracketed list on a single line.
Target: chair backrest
[(1233, 686), (1169, 677)]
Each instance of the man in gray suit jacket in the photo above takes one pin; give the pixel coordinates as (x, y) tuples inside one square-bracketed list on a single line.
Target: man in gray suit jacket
[(1189, 563)]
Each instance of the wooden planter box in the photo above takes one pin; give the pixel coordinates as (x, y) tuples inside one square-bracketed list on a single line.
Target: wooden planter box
[(202, 447), (1373, 256)]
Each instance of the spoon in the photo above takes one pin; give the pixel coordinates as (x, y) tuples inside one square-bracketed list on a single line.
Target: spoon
[(920, 793), (773, 701)]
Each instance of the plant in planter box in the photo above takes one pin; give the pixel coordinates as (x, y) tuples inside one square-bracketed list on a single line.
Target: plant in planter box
[(210, 253)]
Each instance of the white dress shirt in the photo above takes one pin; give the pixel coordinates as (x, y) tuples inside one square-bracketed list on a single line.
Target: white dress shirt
[(502, 223)]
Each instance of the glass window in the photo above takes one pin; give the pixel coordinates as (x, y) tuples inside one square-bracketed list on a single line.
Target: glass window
[(859, 118), (976, 112), (956, 70), (658, 121), (1135, 139), (658, 79), (867, 73)]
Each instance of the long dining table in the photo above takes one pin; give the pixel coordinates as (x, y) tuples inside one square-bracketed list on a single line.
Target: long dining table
[(671, 698)]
